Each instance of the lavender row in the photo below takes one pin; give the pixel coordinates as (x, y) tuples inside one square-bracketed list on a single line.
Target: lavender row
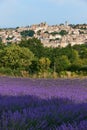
[(43, 104)]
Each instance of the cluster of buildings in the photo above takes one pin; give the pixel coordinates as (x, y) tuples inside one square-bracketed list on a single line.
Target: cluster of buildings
[(54, 35)]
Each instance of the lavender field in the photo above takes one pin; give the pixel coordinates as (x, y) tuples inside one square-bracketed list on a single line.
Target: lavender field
[(43, 104)]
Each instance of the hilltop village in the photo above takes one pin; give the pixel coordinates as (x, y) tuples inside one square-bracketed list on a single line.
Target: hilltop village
[(50, 35)]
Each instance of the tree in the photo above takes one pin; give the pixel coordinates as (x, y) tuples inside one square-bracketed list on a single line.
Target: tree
[(63, 32), (0, 40), (44, 64), (83, 53), (34, 45), (76, 65), (34, 67), (61, 63), (29, 33), (75, 60), (74, 56), (16, 57)]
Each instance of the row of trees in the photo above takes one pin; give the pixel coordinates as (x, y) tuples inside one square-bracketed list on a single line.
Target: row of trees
[(30, 57)]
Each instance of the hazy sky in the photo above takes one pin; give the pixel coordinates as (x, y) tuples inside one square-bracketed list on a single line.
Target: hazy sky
[(27, 12)]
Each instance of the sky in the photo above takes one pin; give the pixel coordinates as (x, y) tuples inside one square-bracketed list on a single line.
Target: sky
[(14, 13)]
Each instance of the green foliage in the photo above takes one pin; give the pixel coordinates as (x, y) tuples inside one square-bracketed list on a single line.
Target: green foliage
[(83, 53), (34, 45), (2, 46), (84, 68), (61, 63), (34, 67), (74, 56), (46, 32), (9, 38), (31, 58), (63, 32), (16, 57), (44, 64), (29, 33), (54, 33), (6, 71), (0, 40), (38, 32)]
